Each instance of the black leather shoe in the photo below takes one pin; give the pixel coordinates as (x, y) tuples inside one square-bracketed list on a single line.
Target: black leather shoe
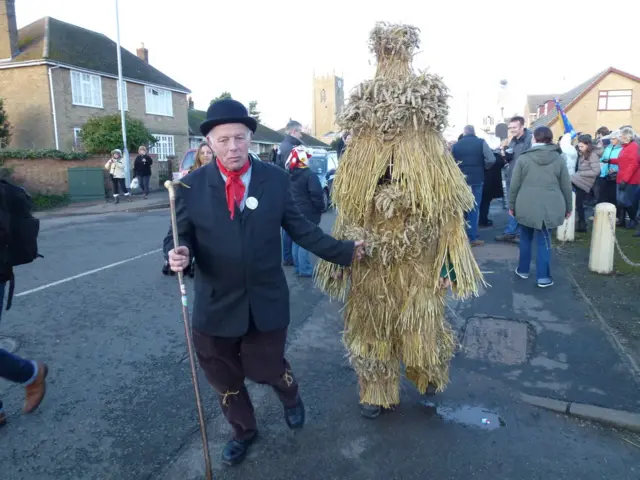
[(370, 411), (235, 451), (294, 416)]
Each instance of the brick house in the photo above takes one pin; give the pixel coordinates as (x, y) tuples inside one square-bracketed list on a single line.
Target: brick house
[(55, 75), (611, 99)]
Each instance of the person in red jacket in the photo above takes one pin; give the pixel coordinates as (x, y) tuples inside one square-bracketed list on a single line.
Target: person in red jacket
[(628, 178)]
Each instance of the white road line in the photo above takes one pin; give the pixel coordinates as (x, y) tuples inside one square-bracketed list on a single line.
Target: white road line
[(84, 274)]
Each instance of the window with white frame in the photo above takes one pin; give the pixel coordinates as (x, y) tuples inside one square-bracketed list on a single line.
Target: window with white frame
[(194, 142), (86, 89), (77, 137), (614, 100), (164, 146), (158, 101), (126, 100)]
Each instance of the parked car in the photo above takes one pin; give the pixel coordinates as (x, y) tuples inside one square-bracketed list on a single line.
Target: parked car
[(189, 159), (322, 162), (331, 172)]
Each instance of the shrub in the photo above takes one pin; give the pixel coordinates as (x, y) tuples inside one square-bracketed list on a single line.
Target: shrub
[(104, 134), (37, 154)]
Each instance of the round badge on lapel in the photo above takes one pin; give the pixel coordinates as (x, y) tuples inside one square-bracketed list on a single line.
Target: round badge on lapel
[(252, 203)]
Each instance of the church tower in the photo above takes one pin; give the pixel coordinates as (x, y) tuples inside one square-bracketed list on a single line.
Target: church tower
[(328, 101)]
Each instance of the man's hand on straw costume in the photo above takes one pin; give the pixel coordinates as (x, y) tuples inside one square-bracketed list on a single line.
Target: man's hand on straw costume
[(179, 259), (359, 250), (444, 283)]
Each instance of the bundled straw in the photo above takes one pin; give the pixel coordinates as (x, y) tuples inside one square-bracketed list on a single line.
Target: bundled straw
[(398, 188)]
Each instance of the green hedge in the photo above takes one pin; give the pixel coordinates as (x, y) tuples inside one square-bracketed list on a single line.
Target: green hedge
[(38, 154), (43, 201)]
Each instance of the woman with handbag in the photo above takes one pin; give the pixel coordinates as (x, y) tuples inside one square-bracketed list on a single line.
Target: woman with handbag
[(608, 170), (142, 169), (585, 177)]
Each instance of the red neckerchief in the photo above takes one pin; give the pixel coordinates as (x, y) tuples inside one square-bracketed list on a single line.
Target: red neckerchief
[(234, 188)]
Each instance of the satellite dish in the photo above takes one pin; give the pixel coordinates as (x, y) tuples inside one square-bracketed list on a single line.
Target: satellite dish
[(502, 131)]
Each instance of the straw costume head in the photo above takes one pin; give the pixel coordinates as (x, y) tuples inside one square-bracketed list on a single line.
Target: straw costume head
[(398, 188)]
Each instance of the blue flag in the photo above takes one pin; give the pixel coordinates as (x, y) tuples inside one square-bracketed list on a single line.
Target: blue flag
[(562, 117)]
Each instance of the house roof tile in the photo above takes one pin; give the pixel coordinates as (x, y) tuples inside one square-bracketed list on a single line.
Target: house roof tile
[(60, 42), (263, 134), (536, 100)]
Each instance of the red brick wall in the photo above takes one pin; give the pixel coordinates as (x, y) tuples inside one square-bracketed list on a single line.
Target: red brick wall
[(50, 176)]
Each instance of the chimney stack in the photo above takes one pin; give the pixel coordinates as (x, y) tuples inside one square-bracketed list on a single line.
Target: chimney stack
[(143, 53), (8, 30)]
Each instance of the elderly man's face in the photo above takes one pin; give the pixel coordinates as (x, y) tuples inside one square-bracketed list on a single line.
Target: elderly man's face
[(230, 144)]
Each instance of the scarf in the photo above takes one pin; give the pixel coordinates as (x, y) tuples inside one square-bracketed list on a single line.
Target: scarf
[(234, 188)]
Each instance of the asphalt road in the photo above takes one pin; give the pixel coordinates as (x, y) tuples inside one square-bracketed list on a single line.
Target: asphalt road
[(120, 402)]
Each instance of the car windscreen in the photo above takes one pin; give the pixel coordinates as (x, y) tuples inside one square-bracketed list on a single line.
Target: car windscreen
[(318, 164), (188, 161)]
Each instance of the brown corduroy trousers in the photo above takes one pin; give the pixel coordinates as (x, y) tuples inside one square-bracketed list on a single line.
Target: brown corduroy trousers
[(258, 356)]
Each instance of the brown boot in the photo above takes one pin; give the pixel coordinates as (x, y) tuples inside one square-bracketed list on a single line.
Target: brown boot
[(34, 393), (3, 420)]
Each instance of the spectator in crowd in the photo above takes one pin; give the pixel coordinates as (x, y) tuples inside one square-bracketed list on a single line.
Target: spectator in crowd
[(142, 169), (474, 157), (115, 167), (521, 139), (628, 178), (585, 177), (273, 155), (540, 199), (308, 196), (609, 171), (292, 139)]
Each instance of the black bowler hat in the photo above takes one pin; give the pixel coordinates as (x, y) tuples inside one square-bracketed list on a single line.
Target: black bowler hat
[(227, 111)]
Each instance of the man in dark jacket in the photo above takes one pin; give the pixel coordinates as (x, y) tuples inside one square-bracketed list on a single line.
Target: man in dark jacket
[(291, 140), (521, 140), (241, 306), (308, 196), (29, 373), (473, 156)]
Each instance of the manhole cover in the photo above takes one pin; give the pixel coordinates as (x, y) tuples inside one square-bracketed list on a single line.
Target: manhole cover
[(8, 344), (496, 340)]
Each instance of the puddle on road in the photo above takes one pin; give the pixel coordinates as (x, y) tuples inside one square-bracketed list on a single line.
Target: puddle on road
[(466, 415)]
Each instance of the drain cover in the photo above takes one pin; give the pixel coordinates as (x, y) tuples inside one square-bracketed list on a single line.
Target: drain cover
[(8, 344), (496, 340)]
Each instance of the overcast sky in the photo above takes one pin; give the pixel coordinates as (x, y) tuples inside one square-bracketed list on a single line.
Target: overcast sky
[(268, 50)]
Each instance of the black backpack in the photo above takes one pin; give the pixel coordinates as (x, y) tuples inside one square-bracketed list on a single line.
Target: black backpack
[(18, 232)]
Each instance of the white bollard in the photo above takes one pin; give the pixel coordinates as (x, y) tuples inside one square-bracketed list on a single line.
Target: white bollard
[(603, 239), (567, 231)]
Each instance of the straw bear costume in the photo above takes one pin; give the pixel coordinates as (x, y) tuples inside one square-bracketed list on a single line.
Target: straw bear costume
[(398, 187)]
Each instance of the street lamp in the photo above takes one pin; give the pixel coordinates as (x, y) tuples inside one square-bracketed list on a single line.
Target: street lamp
[(125, 150)]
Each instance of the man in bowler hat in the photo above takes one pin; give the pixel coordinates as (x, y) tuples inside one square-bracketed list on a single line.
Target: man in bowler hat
[(229, 214)]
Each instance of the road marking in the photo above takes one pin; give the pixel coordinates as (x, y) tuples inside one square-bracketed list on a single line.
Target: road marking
[(84, 274)]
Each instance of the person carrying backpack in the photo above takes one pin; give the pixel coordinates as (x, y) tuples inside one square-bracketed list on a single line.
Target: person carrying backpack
[(18, 246)]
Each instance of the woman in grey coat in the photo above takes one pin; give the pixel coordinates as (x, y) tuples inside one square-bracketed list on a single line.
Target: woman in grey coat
[(540, 200)]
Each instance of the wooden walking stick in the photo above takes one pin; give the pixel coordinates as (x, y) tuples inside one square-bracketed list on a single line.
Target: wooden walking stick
[(170, 186)]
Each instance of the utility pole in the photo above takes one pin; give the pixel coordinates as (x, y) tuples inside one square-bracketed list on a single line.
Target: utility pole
[(125, 151), (467, 107)]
